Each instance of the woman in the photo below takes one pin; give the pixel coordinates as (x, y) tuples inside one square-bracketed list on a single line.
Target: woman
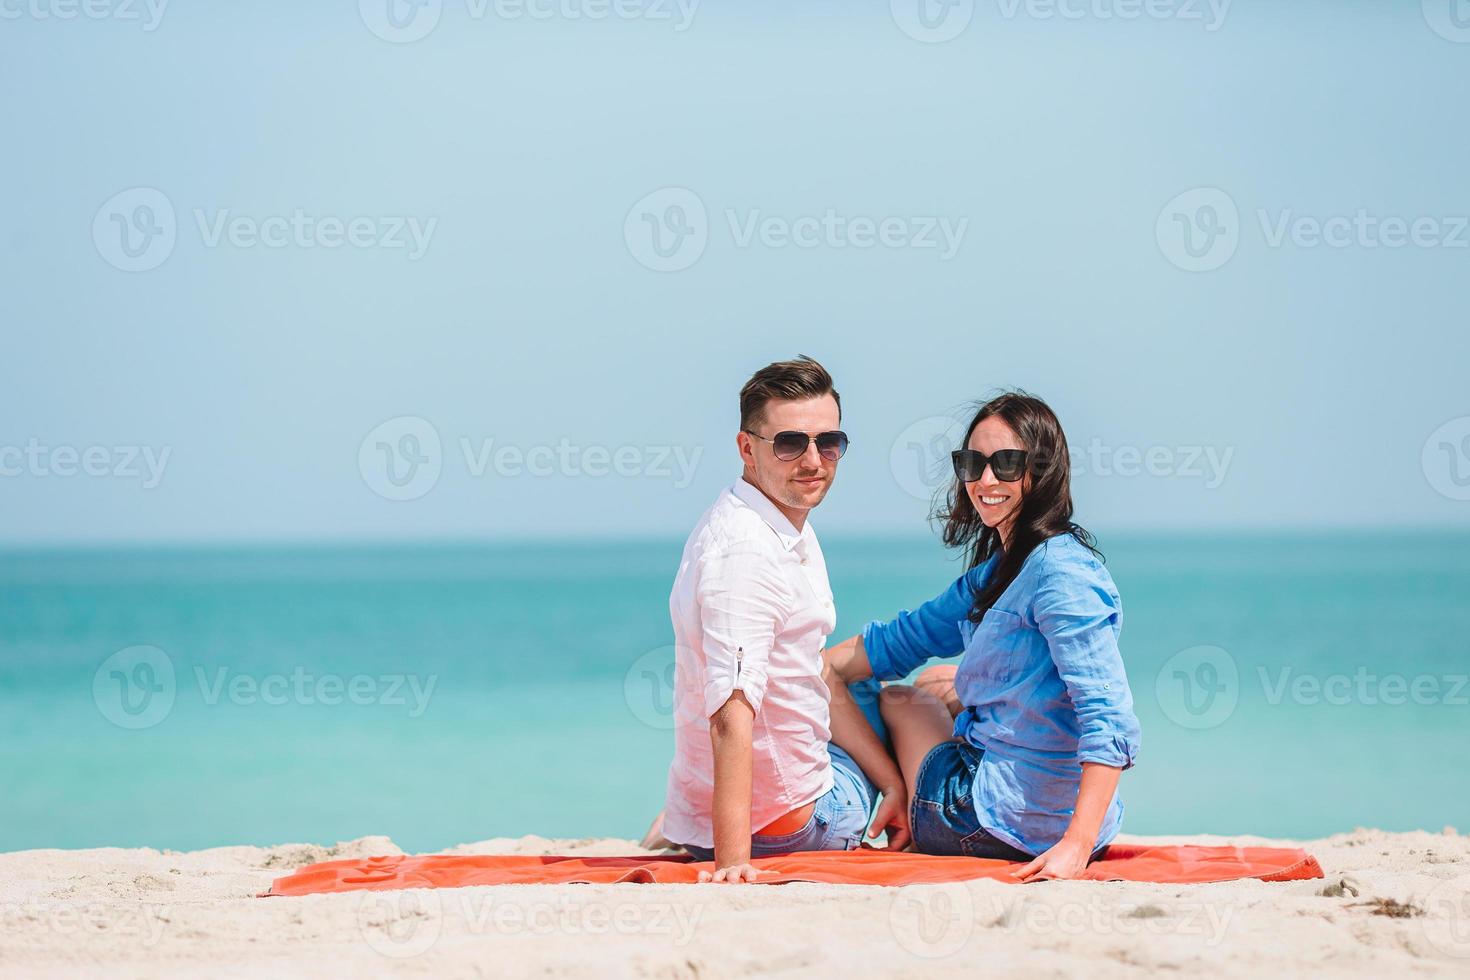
[(1016, 753)]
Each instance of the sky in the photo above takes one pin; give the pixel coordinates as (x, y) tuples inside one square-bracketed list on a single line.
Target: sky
[(476, 270)]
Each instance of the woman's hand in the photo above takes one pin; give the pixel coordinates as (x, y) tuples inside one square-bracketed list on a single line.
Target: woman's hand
[(734, 874), (1067, 858), (892, 815)]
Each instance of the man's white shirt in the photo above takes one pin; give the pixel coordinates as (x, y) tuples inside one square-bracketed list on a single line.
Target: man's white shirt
[(752, 610)]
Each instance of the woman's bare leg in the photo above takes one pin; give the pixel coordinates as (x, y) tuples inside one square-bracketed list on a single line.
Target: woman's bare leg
[(939, 681), (655, 840), (917, 721)]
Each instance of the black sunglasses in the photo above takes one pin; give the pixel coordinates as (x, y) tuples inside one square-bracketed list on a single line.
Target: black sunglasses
[(792, 445), (1008, 465)]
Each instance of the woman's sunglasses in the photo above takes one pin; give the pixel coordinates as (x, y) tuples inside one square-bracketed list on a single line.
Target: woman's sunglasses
[(792, 445), (1008, 465)]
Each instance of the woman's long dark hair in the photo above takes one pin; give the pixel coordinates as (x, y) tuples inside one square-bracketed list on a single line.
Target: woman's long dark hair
[(1046, 507)]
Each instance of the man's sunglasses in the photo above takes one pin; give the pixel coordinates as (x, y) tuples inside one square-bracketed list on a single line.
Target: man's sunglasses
[(792, 445), (1008, 465)]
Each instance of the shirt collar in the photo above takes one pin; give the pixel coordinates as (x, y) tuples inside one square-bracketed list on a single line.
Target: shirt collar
[(757, 501)]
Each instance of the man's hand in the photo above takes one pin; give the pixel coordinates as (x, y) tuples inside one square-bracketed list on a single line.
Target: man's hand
[(733, 875), (1067, 858), (892, 815)]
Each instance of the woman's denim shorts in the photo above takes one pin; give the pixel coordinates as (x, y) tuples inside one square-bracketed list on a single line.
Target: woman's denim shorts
[(942, 814)]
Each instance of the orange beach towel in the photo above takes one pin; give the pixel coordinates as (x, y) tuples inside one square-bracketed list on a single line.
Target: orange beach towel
[(1124, 862)]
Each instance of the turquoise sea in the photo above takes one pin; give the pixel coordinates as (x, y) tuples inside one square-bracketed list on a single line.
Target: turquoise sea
[(1288, 685)]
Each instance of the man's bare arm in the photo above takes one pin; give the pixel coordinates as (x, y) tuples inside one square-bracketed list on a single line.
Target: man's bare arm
[(730, 730)]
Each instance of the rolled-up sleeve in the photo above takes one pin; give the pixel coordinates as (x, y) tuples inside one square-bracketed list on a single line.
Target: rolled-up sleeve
[(1078, 611), (896, 648), (743, 601)]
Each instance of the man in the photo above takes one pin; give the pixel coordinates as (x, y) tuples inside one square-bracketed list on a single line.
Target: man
[(753, 773)]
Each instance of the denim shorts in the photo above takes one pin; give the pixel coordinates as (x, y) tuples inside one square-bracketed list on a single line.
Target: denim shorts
[(942, 814), (837, 822)]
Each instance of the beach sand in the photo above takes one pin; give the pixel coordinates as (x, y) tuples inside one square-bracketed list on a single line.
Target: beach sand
[(145, 913)]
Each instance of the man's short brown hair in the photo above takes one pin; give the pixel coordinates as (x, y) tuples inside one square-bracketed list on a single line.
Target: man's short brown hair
[(788, 381)]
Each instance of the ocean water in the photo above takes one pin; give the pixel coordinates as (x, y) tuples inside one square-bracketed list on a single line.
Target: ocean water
[(1287, 685)]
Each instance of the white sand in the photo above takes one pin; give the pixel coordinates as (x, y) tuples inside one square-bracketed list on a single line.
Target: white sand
[(137, 913)]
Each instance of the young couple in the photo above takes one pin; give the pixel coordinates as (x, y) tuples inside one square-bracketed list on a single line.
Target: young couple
[(1015, 753)]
